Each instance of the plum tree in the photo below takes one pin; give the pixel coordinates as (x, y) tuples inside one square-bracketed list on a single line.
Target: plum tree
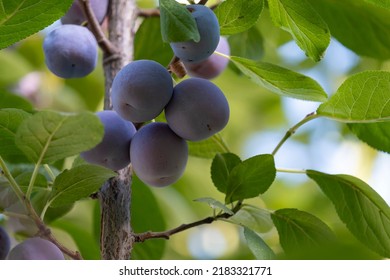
[(198, 109), (71, 51), (208, 28), (75, 14), (213, 65), (141, 90), (5, 243), (158, 155), (35, 248), (113, 151)]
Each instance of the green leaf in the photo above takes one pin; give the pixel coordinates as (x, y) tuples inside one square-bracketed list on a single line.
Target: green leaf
[(10, 100), (254, 44), (215, 204), (363, 97), (235, 16), (78, 183), (380, 3), (177, 23), (10, 120), (299, 230), (207, 148), (146, 215), (254, 218), (306, 26), (281, 80), (13, 67), (221, 167), (49, 136), (82, 236), (250, 178), (358, 25), (22, 18), (256, 244), (377, 135), (362, 209), (148, 43), (39, 199)]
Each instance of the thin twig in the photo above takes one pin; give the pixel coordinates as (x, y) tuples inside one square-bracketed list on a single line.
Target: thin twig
[(142, 237), (107, 47), (146, 13), (292, 130), (176, 67)]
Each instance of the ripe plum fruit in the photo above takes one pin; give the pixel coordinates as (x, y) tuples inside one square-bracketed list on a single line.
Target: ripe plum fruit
[(35, 249), (5, 243), (141, 90), (211, 67), (71, 51), (158, 155), (208, 27), (198, 109), (75, 14), (113, 151)]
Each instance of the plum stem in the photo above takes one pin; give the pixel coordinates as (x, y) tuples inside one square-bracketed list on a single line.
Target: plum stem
[(293, 129), (146, 13)]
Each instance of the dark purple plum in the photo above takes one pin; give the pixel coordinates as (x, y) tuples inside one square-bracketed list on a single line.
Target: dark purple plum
[(75, 14), (71, 51), (141, 90), (158, 155), (5, 243), (35, 249), (113, 151), (211, 67), (208, 27), (198, 109)]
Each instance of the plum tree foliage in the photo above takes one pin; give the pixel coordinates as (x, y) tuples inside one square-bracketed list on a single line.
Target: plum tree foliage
[(164, 96)]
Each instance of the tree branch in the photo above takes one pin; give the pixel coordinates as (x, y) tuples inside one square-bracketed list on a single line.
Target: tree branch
[(115, 238), (106, 46), (142, 237), (149, 13)]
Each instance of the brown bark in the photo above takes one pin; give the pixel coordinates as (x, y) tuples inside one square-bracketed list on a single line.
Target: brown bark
[(116, 236)]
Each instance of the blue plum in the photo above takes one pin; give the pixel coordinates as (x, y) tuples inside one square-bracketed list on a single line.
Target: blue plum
[(71, 51), (158, 155), (211, 67), (75, 14), (208, 27), (141, 90), (35, 249), (198, 109), (5, 243), (113, 151)]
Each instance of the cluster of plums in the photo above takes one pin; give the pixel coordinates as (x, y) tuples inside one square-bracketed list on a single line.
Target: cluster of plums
[(195, 109)]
